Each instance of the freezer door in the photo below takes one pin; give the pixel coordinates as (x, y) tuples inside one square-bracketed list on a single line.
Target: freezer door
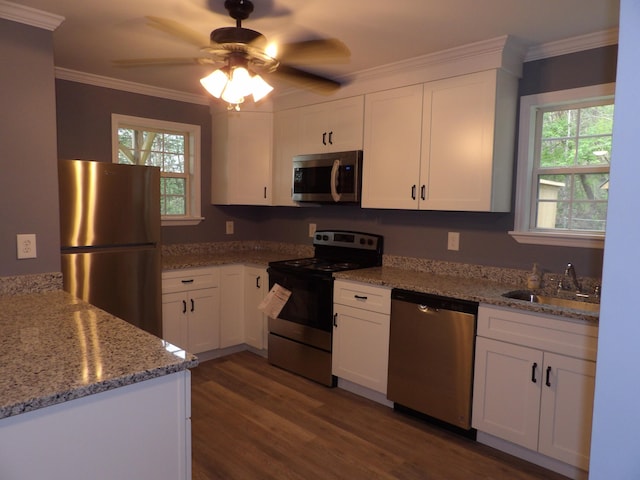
[(103, 204), (125, 282)]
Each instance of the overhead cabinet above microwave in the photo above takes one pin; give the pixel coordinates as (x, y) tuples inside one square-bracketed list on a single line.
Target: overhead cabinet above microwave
[(442, 145), (334, 126)]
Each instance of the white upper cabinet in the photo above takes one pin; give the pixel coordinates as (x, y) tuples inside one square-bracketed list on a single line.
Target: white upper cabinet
[(334, 126), (242, 156), (443, 145), (286, 132)]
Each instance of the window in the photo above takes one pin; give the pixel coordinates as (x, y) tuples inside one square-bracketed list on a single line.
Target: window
[(175, 148), (563, 167)]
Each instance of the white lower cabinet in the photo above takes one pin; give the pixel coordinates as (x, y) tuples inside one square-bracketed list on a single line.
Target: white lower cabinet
[(190, 309), (256, 286), (534, 383), (361, 334), (210, 308)]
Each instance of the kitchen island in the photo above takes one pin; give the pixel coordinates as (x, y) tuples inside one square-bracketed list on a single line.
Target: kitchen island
[(84, 394)]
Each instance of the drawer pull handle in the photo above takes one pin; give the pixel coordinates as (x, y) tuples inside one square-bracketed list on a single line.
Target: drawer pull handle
[(187, 281), (548, 382), (361, 297), (533, 372)]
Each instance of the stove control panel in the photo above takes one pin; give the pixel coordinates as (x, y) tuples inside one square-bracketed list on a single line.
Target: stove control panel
[(340, 238)]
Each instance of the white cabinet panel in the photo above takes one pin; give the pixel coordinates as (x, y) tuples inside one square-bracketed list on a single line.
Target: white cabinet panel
[(231, 305), (256, 286)]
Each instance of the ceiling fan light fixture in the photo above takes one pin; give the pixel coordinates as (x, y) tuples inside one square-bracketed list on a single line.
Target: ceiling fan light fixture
[(260, 88)]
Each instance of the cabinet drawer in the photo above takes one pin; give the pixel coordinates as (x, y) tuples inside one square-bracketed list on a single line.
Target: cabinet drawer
[(546, 332), (361, 295), (191, 279)]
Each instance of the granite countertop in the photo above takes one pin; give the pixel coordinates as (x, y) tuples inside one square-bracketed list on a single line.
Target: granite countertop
[(247, 257), (473, 289), (56, 348)]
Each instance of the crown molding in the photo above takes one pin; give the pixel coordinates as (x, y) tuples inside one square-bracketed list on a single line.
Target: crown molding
[(573, 45), (29, 16), (133, 87)]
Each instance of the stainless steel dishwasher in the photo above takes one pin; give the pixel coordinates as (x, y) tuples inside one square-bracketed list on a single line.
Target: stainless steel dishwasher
[(431, 352)]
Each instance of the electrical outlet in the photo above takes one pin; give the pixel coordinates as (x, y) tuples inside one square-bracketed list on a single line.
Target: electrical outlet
[(26, 245), (453, 241), (229, 227), (312, 229)]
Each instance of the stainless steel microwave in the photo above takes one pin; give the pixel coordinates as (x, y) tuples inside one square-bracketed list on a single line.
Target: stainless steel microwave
[(328, 177)]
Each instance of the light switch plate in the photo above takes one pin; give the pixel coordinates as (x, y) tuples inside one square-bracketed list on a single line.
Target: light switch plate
[(312, 229), (229, 227), (26, 245)]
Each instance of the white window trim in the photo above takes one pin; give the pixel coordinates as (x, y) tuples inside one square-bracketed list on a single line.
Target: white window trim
[(194, 134), (528, 107)]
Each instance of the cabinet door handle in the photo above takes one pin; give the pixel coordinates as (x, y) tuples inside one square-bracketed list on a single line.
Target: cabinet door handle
[(258, 282), (187, 281), (330, 138), (533, 372), (361, 297), (184, 306), (265, 192), (547, 381), (413, 192), (335, 320), (423, 192), (193, 305), (324, 138)]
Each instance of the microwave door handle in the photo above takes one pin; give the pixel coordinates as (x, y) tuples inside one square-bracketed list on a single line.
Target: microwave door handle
[(335, 171)]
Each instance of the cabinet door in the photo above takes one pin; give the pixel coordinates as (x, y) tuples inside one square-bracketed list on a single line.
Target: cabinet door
[(392, 136), (506, 395), (256, 285), (361, 347), (458, 137), (204, 320), (231, 305), (243, 149), (566, 409), (332, 126), (174, 319), (286, 144)]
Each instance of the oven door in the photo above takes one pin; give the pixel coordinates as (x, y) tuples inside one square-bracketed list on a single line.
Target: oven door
[(311, 300)]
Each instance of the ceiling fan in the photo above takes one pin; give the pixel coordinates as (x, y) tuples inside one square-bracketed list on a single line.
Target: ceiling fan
[(241, 56)]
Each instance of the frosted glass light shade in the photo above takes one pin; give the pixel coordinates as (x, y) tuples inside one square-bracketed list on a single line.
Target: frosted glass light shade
[(260, 88), (215, 83)]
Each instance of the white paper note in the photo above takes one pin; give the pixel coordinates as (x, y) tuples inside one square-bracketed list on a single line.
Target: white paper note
[(275, 301)]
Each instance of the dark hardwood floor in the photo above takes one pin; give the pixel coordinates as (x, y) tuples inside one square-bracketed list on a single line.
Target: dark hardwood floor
[(251, 420)]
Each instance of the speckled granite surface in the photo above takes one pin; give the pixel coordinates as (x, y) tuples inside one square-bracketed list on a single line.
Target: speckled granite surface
[(54, 348), (477, 283), (40, 282), (476, 289), (223, 253)]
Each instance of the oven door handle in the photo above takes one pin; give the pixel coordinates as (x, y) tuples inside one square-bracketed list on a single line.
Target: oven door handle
[(335, 174)]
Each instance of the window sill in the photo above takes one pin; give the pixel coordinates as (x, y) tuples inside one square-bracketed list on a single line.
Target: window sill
[(180, 221), (559, 239)]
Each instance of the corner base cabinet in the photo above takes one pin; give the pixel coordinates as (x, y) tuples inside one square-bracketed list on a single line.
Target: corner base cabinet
[(361, 334), (534, 382)]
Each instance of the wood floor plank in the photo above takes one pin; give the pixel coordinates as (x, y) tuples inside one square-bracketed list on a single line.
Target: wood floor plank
[(251, 420)]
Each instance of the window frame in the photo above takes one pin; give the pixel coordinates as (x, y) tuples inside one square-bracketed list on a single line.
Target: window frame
[(525, 201), (193, 162)]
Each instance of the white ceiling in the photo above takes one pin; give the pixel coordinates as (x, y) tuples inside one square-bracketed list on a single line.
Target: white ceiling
[(378, 32)]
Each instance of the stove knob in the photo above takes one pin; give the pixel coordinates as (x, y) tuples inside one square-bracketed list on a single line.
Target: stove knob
[(325, 237), (362, 241), (370, 242), (318, 237)]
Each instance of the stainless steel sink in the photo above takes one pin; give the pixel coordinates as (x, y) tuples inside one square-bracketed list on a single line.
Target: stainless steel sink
[(529, 296)]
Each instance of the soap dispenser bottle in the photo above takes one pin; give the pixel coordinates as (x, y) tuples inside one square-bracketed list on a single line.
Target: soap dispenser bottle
[(533, 281)]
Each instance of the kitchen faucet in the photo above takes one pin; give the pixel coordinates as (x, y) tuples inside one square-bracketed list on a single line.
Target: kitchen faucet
[(570, 272)]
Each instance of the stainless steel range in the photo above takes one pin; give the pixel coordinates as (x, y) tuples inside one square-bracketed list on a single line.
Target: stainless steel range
[(300, 338)]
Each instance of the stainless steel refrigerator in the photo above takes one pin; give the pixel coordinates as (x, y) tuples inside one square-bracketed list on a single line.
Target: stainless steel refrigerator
[(110, 238)]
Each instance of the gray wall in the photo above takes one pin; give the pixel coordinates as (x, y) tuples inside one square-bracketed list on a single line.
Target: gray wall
[(483, 236), (28, 182)]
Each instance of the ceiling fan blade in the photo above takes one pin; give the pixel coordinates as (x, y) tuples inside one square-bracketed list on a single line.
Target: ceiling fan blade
[(302, 78), (150, 62), (177, 30), (327, 50)]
